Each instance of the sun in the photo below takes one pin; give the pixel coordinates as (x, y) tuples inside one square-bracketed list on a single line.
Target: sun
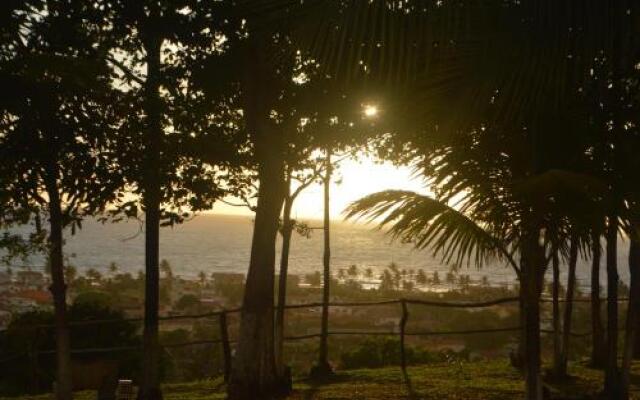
[(370, 110)]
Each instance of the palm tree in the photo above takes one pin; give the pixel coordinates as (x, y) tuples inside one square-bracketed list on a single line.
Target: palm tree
[(421, 277), (386, 281), (633, 314), (597, 327), (94, 275), (561, 341), (450, 278), (555, 296), (368, 273), (166, 269), (485, 226), (455, 235)]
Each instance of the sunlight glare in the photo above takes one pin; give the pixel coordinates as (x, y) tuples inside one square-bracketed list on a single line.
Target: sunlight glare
[(370, 110)]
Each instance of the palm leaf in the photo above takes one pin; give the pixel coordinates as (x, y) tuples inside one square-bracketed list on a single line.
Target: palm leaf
[(429, 223)]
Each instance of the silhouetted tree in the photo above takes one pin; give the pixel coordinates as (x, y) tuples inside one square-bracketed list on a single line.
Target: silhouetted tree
[(57, 123), (155, 45)]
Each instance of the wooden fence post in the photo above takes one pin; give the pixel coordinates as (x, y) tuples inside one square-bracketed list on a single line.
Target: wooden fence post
[(226, 348), (403, 325)]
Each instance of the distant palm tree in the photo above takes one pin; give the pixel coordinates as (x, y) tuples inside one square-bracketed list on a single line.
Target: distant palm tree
[(386, 281), (94, 275), (368, 273), (436, 278), (450, 278), (421, 277), (166, 269), (113, 268), (71, 273)]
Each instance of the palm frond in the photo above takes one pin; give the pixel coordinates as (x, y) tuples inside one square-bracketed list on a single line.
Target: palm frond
[(429, 223)]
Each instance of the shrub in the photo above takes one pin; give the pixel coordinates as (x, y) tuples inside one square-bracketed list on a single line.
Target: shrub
[(375, 353)]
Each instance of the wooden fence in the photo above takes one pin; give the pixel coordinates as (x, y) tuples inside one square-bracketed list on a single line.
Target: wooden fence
[(225, 341)]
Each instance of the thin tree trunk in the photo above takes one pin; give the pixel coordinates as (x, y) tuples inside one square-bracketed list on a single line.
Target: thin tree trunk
[(287, 231), (557, 334), (568, 306), (597, 327), (324, 368), (150, 388), (530, 288), (612, 375), (64, 385), (633, 312)]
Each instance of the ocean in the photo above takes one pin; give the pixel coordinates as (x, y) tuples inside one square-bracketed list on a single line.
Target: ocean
[(221, 243)]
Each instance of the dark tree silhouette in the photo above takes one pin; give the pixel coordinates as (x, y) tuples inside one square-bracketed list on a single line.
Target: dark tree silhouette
[(57, 124), (155, 46)]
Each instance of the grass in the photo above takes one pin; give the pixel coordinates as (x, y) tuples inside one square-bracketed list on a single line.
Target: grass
[(486, 380)]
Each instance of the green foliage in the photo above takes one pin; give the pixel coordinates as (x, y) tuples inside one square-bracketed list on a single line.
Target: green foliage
[(23, 339), (376, 353), (188, 303), (428, 222), (58, 119)]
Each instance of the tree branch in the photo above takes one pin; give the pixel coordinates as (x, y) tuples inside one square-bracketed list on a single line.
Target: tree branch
[(123, 68)]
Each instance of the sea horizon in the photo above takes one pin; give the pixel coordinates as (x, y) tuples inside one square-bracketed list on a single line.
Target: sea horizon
[(221, 243)]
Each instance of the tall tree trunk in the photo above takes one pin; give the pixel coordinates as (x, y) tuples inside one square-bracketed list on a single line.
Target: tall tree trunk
[(568, 306), (517, 355), (324, 368), (255, 374), (557, 334), (287, 231), (64, 385), (530, 290), (633, 312), (150, 388), (620, 52), (612, 375), (597, 327)]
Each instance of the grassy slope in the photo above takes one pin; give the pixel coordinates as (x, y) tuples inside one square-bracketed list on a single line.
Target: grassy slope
[(469, 381)]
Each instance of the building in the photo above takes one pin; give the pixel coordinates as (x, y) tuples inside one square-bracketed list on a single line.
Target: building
[(32, 279), (5, 278)]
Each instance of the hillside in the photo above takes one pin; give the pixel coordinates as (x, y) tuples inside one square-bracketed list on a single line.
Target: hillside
[(493, 380)]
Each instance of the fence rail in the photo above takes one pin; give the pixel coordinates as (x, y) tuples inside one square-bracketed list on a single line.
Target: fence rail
[(212, 314), (226, 342)]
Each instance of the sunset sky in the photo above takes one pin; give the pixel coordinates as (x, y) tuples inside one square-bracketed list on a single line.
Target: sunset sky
[(357, 179)]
